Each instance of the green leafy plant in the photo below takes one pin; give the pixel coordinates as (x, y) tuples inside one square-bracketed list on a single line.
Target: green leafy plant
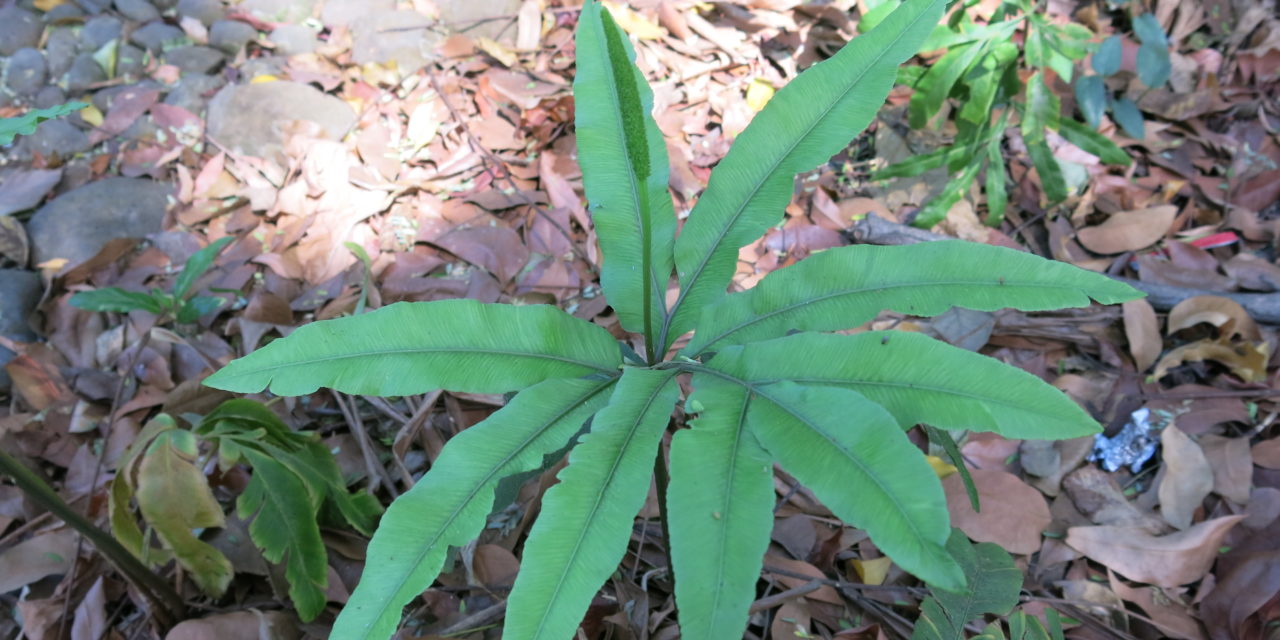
[(26, 123), (832, 409), (980, 69), (296, 485), (180, 305), (1154, 67)]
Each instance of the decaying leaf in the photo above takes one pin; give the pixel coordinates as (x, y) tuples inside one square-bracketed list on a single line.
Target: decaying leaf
[(1143, 332), (1165, 561), (1129, 230), (1013, 514), (1187, 477), (1224, 313), (1247, 361)]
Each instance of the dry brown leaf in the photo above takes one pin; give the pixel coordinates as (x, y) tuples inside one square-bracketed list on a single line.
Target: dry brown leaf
[(1232, 466), (1097, 496), (1142, 329), (1224, 313), (246, 625), (44, 555), (791, 621), (1187, 477), (1166, 561), (1267, 453), (1252, 272), (1246, 361), (1129, 230), (1172, 618), (1013, 514)]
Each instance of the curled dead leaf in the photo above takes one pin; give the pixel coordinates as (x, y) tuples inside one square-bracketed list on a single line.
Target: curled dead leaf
[(1129, 230), (1224, 313), (1142, 329), (1246, 361), (1166, 561)]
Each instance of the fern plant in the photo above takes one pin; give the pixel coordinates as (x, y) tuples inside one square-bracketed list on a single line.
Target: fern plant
[(767, 386)]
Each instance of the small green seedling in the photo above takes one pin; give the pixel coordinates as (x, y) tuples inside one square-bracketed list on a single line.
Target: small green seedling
[(768, 386), (179, 305), (980, 69), (27, 123), (296, 487), (1154, 68)]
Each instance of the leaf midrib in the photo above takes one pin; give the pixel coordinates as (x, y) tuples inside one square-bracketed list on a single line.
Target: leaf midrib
[(845, 382), (423, 351), (706, 258), (864, 289), (875, 479), (479, 486), (595, 506)]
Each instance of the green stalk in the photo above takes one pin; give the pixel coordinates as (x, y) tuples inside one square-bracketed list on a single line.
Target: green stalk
[(169, 607)]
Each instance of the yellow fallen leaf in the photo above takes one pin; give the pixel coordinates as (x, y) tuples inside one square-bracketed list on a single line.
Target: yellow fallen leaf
[(634, 23), (46, 5), (92, 115), (499, 52), (940, 466), (759, 92), (264, 78), (873, 571)]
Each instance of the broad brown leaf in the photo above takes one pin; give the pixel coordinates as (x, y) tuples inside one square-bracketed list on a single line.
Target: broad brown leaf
[(1013, 514), (1129, 230), (1166, 561)]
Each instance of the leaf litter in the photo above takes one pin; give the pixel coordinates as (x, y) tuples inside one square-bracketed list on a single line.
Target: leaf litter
[(459, 179)]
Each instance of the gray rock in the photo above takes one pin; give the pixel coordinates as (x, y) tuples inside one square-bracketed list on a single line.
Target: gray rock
[(63, 12), (279, 10), (154, 35), (105, 98), (98, 31), (137, 10), (194, 59), (18, 28), (342, 13), (231, 35), (130, 61), (57, 138), (76, 224), (468, 16), (50, 96), (26, 72), (60, 51), (19, 293), (164, 5), (94, 6), (84, 72), (264, 65), (206, 11), (192, 91), (400, 36), (294, 39), (247, 117)]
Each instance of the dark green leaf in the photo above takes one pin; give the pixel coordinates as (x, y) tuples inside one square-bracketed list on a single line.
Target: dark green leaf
[(956, 188), (1051, 179), (197, 264), (116, 300), (1093, 142), (937, 84), (585, 524), (994, 583), (414, 347), (1149, 31), (1107, 59), (807, 122), (1091, 96), (997, 195), (847, 286), (916, 165), (26, 123), (197, 307), (720, 505), (624, 166), (957, 390), (1129, 118), (1153, 65), (447, 507), (861, 465)]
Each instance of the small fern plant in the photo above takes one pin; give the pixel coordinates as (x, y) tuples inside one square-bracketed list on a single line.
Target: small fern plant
[(768, 387)]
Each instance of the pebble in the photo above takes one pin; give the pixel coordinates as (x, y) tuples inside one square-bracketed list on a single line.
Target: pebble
[(98, 31), (19, 292), (18, 28), (57, 137), (77, 223), (63, 12), (294, 39), (84, 73), (279, 10), (193, 90), (206, 11), (130, 61), (154, 35), (50, 96), (137, 10), (341, 13), (60, 51), (246, 117), (26, 72), (194, 59), (231, 35)]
